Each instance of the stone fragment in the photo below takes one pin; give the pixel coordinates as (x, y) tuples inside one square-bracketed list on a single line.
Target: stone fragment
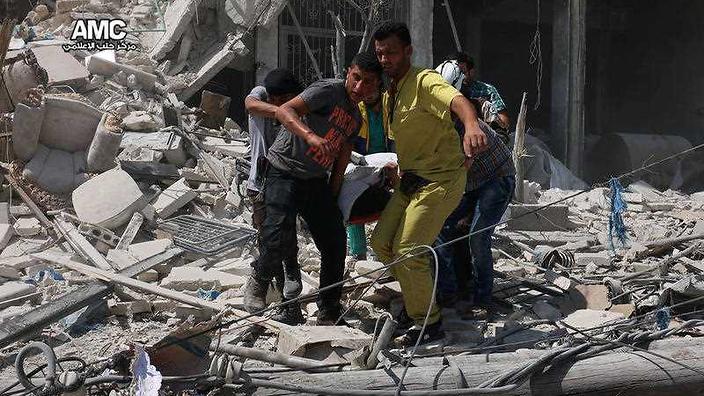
[(27, 226), (232, 148), (8, 272), (139, 121), (68, 5), (299, 340), (130, 308), (149, 276), (144, 250), (364, 267), (173, 198), (108, 200), (194, 278)]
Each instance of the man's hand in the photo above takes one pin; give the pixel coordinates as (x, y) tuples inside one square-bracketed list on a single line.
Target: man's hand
[(321, 144), (468, 161), (475, 140), (391, 174)]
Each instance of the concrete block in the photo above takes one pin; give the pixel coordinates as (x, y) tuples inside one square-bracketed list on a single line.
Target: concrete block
[(27, 226), (121, 258), (236, 266), (69, 124), (160, 141), (587, 318), (6, 233), (173, 198), (10, 290), (108, 200), (18, 263), (103, 149), (61, 67), (149, 276), (194, 278), (144, 250), (553, 218), (601, 259), (299, 340), (19, 210), (130, 308), (139, 121)]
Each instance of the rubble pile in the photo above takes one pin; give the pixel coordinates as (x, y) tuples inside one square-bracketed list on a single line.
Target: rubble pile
[(128, 223)]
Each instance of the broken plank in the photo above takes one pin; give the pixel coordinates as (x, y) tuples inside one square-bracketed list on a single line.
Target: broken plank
[(131, 231), (152, 289), (24, 325)]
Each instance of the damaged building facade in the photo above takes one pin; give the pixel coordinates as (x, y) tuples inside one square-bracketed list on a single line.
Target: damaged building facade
[(126, 236)]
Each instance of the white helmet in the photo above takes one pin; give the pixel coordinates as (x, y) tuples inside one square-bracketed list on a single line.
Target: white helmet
[(451, 72)]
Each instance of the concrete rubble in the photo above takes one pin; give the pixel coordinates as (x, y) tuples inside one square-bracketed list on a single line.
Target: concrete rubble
[(120, 174)]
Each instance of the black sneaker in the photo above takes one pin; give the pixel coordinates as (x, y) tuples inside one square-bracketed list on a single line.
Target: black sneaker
[(330, 317), (433, 332), (290, 314), (255, 294), (292, 283)]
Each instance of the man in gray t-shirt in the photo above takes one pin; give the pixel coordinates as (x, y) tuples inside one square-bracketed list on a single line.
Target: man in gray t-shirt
[(280, 86), (319, 125)]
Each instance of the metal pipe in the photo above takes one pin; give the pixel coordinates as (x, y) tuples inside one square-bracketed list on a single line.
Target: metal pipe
[(385, 335), (268, 356)]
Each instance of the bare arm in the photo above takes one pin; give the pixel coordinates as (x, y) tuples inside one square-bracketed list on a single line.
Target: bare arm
[(289, 115), (504, 120), (338, 170), (259, 108), (474, 140)]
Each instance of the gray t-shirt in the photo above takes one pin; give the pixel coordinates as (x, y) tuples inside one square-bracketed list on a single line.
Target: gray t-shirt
[(262, 133), (332, 115)]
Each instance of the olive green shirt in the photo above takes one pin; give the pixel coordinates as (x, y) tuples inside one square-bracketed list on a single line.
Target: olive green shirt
[(427, 143)]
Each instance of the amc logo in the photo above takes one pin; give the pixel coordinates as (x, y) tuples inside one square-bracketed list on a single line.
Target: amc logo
[(99, 29)]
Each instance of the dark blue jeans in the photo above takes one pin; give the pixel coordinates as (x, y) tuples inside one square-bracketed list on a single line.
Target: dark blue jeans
[(482, 207)]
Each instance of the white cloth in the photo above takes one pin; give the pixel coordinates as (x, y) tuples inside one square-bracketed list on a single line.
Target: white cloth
[(451, 72), (360, 177)]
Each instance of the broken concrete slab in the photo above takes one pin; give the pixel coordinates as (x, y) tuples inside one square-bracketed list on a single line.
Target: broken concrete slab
[(144, 250), (177, 19), (232, 148), (10, 273), (588, 318), (297, 340), (61, 67), (552, 218), (102, 66), (222, 56), (108, 200), (63, 6), (173, 198), (6, 233), (194, 278), (160, 141), (12, 290)]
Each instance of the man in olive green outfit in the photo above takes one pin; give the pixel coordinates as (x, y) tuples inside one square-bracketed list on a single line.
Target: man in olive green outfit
[(433, 174)]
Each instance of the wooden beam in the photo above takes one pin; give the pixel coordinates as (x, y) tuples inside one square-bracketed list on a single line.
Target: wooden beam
[(24, 325), (145, 287)]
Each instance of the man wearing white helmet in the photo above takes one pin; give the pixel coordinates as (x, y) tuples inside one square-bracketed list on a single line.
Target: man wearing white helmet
[(490, 185)]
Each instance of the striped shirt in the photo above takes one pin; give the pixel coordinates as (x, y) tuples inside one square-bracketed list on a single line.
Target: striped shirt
[(496, 161)]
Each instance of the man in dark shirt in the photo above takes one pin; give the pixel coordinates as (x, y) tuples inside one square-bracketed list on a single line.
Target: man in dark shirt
[(320, 126)]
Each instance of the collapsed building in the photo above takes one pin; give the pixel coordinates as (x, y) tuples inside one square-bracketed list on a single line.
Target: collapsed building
[(126, 241)]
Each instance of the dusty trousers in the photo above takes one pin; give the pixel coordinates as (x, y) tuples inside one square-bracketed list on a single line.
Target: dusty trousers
[(290, 257), (407, 222), (286, 197)]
